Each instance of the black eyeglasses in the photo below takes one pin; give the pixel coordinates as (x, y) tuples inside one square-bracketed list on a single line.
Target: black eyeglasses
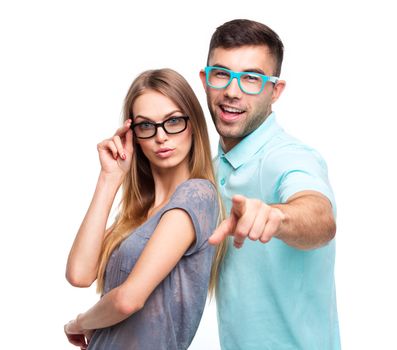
[(173, 125)]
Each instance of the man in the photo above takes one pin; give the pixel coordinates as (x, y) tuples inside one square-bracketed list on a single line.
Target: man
[(277, 291)]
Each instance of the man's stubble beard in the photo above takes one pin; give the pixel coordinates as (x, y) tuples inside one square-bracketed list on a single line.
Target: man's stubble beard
[(247, 126)]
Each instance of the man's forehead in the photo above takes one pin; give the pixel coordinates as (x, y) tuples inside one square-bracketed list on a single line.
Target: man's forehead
[(243, 57)]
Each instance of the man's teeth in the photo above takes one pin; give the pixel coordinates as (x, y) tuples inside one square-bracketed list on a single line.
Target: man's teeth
[(231, 109)]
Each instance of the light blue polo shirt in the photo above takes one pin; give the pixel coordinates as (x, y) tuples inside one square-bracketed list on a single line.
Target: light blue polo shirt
[(273, 296)]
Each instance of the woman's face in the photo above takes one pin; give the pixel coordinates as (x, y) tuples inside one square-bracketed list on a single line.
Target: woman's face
[(163, 150)]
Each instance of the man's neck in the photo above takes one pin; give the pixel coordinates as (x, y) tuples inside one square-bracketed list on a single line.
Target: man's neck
[(228, 143)]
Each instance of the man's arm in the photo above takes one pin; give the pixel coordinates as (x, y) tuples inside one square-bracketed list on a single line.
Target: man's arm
[(305, 221), (309, 221)]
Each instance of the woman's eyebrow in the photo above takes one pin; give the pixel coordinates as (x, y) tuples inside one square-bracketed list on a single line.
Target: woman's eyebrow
[(151, 120), (143, 117)]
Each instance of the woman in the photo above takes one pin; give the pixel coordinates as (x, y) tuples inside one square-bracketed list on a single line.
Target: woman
[(153, 264)]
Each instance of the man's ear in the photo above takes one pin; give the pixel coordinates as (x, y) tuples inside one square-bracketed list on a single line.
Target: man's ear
[(278, 89), (203, 79)]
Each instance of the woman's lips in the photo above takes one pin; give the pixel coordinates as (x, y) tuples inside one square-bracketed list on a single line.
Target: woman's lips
[(164, 152)]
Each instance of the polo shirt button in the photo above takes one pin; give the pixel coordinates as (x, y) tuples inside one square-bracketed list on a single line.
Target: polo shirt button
[(224, 159), (223, 181)]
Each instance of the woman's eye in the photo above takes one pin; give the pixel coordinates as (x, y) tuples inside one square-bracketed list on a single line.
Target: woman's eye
[(173, 121), (146, 126)]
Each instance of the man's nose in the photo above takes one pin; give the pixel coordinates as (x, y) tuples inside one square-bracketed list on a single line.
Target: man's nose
[(233, 89)]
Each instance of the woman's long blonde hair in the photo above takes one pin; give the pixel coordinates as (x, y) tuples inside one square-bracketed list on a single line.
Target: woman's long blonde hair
[(138, 186)]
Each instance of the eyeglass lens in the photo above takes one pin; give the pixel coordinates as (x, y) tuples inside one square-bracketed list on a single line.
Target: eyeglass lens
[(148, 129), (249, 82)]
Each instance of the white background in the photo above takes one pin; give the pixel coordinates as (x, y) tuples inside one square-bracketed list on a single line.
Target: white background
[(65, 69)]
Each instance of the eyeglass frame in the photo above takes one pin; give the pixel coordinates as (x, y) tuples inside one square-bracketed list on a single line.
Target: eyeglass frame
[(237, 75), (158, 125)]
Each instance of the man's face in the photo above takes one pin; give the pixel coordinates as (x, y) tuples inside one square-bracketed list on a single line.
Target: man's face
[(235, 113)]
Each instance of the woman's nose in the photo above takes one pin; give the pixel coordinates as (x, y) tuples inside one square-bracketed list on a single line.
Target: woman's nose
[(161, 135)]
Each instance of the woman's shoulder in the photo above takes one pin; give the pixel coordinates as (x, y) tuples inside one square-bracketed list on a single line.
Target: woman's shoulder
[(196, 188), (196, 185)]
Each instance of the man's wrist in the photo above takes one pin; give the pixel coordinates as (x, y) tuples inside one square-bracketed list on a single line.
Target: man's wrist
[(282, 218)]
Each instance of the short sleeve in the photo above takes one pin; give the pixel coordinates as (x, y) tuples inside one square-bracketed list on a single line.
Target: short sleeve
[(198, 198), (302, 168)]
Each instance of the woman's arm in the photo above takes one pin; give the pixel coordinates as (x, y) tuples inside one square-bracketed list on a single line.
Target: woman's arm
[(115, 155), (171, 239), (82, 265)]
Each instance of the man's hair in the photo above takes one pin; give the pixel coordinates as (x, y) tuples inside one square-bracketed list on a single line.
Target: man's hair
[(242, 32)]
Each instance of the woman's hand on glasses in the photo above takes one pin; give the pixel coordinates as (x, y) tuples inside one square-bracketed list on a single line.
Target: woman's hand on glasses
[(115, 153)]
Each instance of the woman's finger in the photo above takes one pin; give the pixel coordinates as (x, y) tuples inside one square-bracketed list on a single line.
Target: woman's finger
[(77, 339), (128, 141), (119, 146), (124, 128), (108, 145)]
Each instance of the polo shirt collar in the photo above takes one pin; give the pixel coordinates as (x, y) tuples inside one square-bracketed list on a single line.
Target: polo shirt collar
[(249, 145)]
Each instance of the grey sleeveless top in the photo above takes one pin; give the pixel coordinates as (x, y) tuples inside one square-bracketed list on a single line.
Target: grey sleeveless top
[(172, 313)]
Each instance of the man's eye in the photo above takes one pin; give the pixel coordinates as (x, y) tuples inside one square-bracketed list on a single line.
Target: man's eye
[(251, 78), (221, 74)]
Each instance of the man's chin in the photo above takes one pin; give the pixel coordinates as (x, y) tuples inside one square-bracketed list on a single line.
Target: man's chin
[(228, 131)]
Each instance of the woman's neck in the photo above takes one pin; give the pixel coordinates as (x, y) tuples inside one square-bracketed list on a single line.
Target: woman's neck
[(166, 181)]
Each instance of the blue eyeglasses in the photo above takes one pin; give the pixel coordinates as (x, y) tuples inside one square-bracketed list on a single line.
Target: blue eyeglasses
[(250, 83)]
